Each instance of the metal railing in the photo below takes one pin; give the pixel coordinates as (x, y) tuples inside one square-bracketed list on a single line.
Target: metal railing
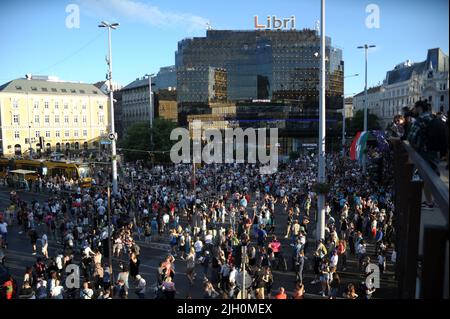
[(422, 236)]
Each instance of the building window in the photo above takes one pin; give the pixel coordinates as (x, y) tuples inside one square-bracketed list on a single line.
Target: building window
[(46, 104), (83, 106), (47, 133), (66, 134), (75, 119), (442, 98), (56, 118), (16, 119), (75, 133), (84, 119), (47, 119), (85, 133), (66, 119), (36, 119), (101, 119), (57, 134), (100, 106), (36, 104), (56, 105), (430, 98), (16, 134), (66, 105), (37, 134), (15, 104)]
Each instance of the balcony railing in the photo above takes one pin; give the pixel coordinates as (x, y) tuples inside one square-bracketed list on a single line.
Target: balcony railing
[(422, 236)]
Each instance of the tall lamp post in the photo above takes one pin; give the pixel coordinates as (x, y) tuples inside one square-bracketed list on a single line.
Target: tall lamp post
[(152, 111), (105, 24), (29, 141), (343, 120), (366, 48), (322, 131)]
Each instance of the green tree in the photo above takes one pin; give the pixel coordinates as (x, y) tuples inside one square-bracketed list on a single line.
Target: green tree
[(356, 123), (137, 141)]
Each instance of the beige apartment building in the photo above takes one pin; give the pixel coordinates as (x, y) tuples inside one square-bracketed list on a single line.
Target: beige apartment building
[(44, 113)]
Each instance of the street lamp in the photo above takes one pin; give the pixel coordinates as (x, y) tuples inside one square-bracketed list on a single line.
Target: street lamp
[(322, 129), (152, 111), (29, 141), (366, 48), (105, 24)]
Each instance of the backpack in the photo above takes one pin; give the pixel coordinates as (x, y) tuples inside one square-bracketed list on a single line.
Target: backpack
[(436, 136)]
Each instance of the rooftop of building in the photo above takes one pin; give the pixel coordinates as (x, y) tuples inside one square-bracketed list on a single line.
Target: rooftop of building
[(139, 82), (371, 90), (436, 60), (258, 34), (49, 85)]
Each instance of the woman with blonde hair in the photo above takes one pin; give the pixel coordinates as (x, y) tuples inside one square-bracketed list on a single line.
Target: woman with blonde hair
[(190, 266)]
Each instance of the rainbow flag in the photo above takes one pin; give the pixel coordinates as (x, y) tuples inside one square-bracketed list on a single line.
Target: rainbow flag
[(359, 145)]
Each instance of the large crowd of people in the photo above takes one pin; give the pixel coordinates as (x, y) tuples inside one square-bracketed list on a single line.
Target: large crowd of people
[(218, 223), (227, 224)]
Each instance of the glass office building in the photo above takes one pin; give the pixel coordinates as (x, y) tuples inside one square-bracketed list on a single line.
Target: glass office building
[(261, 64)]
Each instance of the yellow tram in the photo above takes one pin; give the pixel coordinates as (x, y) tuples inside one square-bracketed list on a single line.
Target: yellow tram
[(70, 170)]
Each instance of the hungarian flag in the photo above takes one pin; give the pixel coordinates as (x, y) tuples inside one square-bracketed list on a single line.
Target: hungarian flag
[(358, 145)]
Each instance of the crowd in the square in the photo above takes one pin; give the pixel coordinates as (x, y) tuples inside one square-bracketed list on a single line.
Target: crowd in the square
[(207, 221), (227, 224)]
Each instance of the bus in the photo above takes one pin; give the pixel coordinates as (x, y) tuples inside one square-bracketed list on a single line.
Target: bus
[(70, 170)]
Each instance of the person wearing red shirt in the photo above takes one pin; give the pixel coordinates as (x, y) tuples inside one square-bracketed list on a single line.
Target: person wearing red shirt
[(275, 246), (8, 288), (281, 294)]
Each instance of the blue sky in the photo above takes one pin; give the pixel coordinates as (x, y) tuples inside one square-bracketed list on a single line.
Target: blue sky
[(34, 37)]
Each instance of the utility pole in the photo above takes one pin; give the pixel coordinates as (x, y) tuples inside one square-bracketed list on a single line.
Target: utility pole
[(366, 48), (110, 26), (244, 258), (322, 128), (343, 125), (29, 141), (152, 111), (109, 236)]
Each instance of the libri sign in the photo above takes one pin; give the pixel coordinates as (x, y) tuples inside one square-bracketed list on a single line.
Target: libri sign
[(275, 23)]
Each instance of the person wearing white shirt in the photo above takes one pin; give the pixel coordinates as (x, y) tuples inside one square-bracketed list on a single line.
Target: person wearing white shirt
[(4, 230), (44, 241), (334, 260), (198, 246), (233, 274), (361, 251), (88, 252), (57, 291), (86, 292), (59, 262), (208, 238), (166, 219), (141, 286)]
